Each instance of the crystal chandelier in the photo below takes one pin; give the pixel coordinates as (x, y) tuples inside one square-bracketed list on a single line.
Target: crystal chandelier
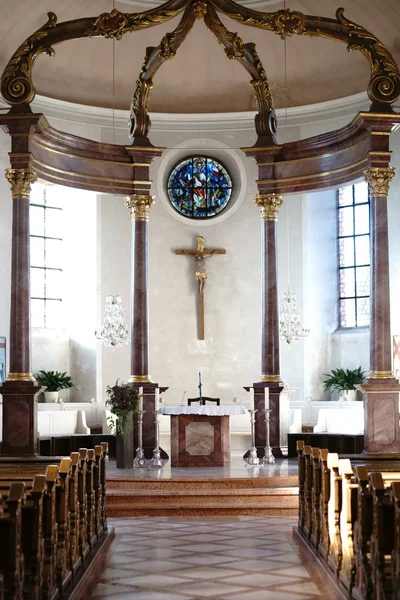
[(114, 331), (290, 327)]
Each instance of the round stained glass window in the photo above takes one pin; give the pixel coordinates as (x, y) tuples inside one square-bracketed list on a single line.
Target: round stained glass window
[(199, 187)]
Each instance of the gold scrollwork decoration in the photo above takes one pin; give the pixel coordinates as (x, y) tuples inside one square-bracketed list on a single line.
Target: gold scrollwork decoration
[(384, 85), (288, 22), (379, 179), (16, 82), (139, 120), (269, 205), (200, 8), (246, 54), (139, 205), (20, 181), (111, 25)]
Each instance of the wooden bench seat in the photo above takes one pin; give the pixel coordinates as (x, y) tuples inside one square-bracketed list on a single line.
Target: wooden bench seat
[(61, 518), (349, 516)]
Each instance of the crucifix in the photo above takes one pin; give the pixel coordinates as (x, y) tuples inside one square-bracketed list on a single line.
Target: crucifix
[(200, 254)]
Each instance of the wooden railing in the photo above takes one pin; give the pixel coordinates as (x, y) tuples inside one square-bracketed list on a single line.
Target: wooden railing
[(52, 519), (349, 516)]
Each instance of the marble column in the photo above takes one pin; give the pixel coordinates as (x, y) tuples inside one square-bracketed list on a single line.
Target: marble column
[(269, 205), (139, 205), (381, 392), (20, 389)]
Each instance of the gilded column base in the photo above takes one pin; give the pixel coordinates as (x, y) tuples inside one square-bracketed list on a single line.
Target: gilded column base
[(381, 375), (20, 377), (271, 379), (140, 379)]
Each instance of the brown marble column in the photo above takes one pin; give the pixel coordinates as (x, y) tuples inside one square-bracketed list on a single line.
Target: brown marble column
[(139, 205), (20, 390), (381, 392), (269, 205)]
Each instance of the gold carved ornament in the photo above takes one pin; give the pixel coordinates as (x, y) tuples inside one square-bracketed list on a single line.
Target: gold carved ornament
[(20, 181), (139, 205), (269, 205), (246, 54), (139, 120), (16, 81), (379, 179), (384, 85)]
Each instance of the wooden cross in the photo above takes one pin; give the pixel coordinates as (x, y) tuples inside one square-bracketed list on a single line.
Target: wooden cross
[(199, 255)]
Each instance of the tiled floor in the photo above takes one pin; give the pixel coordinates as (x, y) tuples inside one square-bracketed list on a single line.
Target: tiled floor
[(229, 558), (238, 468)]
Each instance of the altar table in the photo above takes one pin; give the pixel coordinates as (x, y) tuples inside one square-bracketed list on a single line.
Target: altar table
[(200, 435)]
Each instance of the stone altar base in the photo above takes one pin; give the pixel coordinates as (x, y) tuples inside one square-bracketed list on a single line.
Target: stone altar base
[(200, 440)]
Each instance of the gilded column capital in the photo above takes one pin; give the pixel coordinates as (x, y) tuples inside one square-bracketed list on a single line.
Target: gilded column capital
[(269, 205), (20, 181), (379, 179), (139, 205)]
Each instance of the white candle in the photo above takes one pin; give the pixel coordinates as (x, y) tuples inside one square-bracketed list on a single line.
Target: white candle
[(266, 398), (251, 398), (156, 399), (140, 398)]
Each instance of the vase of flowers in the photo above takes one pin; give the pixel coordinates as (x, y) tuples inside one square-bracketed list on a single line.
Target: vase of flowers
[(122, 400)]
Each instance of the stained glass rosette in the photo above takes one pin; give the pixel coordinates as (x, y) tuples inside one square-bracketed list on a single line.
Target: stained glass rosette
[(199, 187)]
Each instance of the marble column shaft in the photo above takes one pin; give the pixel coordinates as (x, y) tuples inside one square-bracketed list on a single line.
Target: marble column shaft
[(139, 206), (269, 205), (380, 344), (19, 340), (20, 390)]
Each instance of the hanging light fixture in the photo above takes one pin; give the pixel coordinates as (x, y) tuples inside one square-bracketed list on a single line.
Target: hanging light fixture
[(290, 328), (114, 331)]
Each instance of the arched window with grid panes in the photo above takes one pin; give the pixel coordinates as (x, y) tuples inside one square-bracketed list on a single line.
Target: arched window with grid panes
[(354, 255)]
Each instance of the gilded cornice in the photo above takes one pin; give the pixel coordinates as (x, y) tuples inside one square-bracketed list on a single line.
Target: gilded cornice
[(379, 179), (139, 205), (269, 205), (20, 181)]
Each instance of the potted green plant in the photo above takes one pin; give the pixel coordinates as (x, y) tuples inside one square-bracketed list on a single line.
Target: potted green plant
[(344, 381), (53, 381), (122, 401)]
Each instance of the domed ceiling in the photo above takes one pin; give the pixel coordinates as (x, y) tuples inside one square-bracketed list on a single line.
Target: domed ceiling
[(200, 78)]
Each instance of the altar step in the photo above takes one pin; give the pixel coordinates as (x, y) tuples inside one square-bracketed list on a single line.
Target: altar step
[(130, 497)]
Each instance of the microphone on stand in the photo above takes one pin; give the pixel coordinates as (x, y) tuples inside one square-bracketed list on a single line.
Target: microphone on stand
[(183, 398)]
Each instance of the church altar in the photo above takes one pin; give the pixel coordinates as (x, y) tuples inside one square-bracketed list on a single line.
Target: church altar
[(200, 435)]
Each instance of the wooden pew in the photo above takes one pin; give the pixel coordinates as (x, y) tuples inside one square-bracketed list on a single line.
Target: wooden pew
[(395, 496), (11, 556), (68, 502)]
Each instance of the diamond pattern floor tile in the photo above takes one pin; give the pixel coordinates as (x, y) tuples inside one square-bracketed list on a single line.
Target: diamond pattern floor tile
[(191, 558)]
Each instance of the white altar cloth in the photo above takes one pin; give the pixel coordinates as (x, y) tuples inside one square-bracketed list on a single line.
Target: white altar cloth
[(207, 409)]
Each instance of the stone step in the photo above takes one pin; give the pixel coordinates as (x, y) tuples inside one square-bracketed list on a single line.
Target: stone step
[(206, 509), (196, 496), (175, 483), (283, 495)]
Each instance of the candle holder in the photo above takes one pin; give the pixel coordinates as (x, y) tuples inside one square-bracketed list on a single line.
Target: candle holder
[(156, 461), (253, 459), (268, 456), (140, 460)]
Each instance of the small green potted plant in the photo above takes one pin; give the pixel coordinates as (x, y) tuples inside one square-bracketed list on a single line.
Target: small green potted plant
[(344, 381), (53, 381)]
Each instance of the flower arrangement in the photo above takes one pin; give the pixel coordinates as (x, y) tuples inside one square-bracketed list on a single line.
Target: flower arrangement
[(122, 400)]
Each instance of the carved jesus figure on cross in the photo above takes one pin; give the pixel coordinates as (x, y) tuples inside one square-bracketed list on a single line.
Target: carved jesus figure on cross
[(200, 254)]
